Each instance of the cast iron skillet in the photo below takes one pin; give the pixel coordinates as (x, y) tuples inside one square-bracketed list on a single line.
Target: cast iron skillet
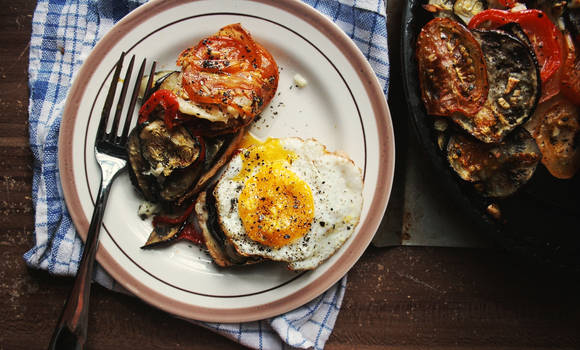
[(542, 220)]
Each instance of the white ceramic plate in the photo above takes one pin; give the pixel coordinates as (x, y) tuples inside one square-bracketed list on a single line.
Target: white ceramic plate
[(342, 106)]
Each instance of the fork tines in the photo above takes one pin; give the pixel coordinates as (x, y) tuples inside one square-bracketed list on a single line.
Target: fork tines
[(113, 135)]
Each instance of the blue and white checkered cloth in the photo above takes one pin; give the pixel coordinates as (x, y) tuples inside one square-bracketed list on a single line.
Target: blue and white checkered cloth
[(63, 34)]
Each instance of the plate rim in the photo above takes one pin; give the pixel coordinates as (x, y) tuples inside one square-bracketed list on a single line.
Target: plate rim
[(366, 231)]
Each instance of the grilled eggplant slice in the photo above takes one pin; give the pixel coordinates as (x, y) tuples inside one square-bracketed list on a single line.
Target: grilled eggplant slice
[(178, 184), (184, 184), (163, 233), (497, 170), (163, 161), (516, 30), (167, 150), (514, 89), (216, 157), (138, 167), (172, 229)]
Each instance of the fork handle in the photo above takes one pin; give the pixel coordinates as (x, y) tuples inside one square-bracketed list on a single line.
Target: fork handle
[(71, 329)]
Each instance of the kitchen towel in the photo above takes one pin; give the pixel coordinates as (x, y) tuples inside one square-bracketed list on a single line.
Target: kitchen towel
[(63, 34)]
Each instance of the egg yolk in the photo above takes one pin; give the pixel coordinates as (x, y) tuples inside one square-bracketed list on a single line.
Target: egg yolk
[(275, 205)]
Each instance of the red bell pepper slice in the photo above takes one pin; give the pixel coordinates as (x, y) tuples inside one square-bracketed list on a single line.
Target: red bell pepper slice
[(167, 100)]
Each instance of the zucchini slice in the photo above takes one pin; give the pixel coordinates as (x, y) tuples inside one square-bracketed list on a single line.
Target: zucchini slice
[(497, 170)]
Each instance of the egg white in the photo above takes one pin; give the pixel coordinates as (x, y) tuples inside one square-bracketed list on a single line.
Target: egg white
[(336, 185)]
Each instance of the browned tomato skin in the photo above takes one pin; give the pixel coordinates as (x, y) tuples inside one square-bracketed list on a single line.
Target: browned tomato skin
[(558, 136), (452, 71), (227, 67)]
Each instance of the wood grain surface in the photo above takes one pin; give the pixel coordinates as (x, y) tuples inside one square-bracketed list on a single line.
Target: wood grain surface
[(397, 298)]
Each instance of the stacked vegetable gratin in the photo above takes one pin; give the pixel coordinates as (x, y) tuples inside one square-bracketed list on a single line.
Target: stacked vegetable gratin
[(502, 80)]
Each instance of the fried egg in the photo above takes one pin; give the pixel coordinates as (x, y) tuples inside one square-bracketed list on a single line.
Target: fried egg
[(289, 200)]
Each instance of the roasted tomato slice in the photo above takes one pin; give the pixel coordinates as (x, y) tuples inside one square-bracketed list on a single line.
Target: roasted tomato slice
[(230, 69), (452, 70), (544, 36), (220, 54), (570, 81), (558, 136)]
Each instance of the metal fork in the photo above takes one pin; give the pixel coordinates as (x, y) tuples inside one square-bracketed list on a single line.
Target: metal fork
[(111, 154)]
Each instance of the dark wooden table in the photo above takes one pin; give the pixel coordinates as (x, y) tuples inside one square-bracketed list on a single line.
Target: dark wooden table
[(397, 298)]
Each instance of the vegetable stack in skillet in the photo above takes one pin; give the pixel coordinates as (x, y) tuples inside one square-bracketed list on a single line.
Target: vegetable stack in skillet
[(497, 111)]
